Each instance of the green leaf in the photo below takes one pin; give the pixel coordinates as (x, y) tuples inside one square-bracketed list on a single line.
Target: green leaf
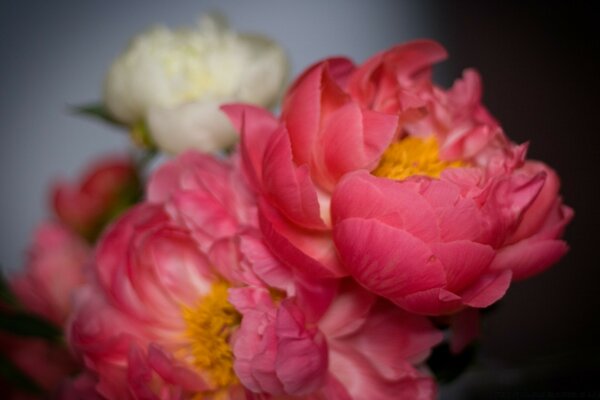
[(25, 324), (17, 378), (98, 111), (6, 295), (447, 366)]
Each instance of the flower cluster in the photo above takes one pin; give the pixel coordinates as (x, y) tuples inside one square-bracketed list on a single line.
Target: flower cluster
[(311, 261)]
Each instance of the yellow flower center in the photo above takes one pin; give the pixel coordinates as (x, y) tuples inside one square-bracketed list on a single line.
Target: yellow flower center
[(413, 156), (209, 327)]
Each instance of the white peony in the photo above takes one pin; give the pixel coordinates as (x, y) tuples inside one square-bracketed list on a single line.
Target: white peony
[(175, 81)]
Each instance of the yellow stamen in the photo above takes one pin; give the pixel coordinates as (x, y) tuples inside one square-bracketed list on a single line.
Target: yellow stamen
[(209, 327), (413, 156)]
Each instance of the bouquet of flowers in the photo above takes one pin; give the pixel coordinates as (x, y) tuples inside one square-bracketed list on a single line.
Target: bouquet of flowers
[(337, 250)]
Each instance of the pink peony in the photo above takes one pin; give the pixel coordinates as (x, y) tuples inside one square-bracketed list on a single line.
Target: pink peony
[(414, 191), (170, 306), (54, 270), (45, 363), (46, 286), (79, 387), (330, 344), (162, 276), (535, 244), (107, 188), (166, 273)]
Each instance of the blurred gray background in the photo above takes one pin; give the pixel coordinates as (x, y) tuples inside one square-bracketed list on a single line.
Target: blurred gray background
[(538, 61)]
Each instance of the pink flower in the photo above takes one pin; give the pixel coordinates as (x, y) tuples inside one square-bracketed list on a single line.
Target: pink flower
[(207, 195), (414, 191), (107, 187), (79, 387), (535, 244), (45, 363), (54, 270), (162, 276), (168, 302), (331, 344), (46, 286)]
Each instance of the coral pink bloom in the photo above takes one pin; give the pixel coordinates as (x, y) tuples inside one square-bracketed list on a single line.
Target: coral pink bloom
[(417, 186), (53, 271), (163, 271), (169, 306), (107, 187), (535, 244), (294, 211), (207, 195), (331, 345), (79, 387), (45, 363)]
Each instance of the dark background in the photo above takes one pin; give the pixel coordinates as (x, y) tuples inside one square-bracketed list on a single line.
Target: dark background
[(539, 62), (540, 71)]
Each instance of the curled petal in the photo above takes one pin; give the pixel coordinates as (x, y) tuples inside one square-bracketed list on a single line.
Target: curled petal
[(529, 257), (353, 139), (403, 65), (488, 289), (302, 353), (289, 187), (256, 126), (311, 253)]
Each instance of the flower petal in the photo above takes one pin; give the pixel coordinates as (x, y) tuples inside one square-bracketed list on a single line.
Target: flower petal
[(529, 257), (290, 187), (256, 127), (388, 261), (488, 290), (311, 253), (464, 262)]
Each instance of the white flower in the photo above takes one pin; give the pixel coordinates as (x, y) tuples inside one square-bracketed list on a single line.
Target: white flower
[(175, 81)]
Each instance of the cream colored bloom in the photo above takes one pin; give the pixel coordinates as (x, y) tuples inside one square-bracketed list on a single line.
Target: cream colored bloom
[(175, 81)]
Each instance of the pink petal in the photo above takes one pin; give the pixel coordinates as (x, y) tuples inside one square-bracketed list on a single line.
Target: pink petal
[(407, 64), (290, 187), (310, 253), (348, 312), (314, 296), (388, 261), (188, 171), (488, 290), (361, 381), (354, 139), (204, 215), (173, 372), (399, 204), (301, 113), (538, 213), (312, 95), (459, 217), (431, 302), (139, 375), (529, 257), (332, 389), (255, 126), (178, 270), (464, 262), (255, 343), (264, 264), (341, 70), (414, 336), (301, 363)]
